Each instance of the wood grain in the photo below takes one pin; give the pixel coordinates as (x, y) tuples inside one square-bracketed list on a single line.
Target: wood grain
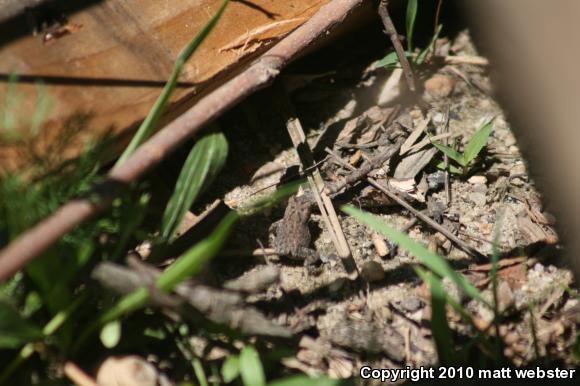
[(104, 73)]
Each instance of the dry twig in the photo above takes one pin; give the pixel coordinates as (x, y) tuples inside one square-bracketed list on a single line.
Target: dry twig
[(316, 182), (420, 215), (39, 238), (219, 306), (392, 32), (78, 376), (446, 160)]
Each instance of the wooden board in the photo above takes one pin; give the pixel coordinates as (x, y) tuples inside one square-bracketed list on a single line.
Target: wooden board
[(104, 65)]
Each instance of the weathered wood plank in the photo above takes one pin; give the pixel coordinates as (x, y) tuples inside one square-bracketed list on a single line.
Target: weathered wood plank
[(105, 65)]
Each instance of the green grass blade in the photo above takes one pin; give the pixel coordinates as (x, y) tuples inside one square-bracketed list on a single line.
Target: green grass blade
[(111, 334), (131, 218), (230, 368), (195, 259), (50, 328), (451, 168), (411, 15), (199, 373), (261, 203), (303, 380), (204, 162), (390, 60), (450, 152), (423, 54), (9, 368), (431, 260), (251, 368), (155, 113), (478, 141), (439, 326), (189, 263), (14, 330)]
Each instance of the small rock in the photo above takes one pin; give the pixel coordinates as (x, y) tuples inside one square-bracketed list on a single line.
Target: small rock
[(340, 368), (439, 86), (436, 179), (509, 141), (480, 188), (372, 271), (484, 104), (336, 285), (465, 219), (386, 313), (474, 180), (517, 175), (453, 290), (411, 304), (416, 114), (438, 118), (127, 371), (505, 297), (485, 228), (477, 198)]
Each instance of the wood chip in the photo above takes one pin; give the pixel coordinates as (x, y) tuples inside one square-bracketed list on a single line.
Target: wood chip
[(255, 281), (355, 158), (380, 245), (413, 164), (391, 90), (532, 232), (414, 136)]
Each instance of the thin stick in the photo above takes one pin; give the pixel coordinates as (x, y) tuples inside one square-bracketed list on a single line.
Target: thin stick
[(446, 160), (39, 238), (392, 32), (429, 221), (316, 182), (420, 215), (428, 141), (466, 59), (369, 166), (78, 376), (437, 14)]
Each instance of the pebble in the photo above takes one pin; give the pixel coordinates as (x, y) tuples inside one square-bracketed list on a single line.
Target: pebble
[(125, 371), (411, 304), (336, 285), (474, 180), (372, 271), (453, 290), (505, 297), (480, 188), (438, 118), (465, 219), (509, 141), (440, 86), (478, 198)]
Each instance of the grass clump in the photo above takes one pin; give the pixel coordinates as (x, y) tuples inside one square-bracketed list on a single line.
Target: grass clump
[(464, 160), (432, 270)]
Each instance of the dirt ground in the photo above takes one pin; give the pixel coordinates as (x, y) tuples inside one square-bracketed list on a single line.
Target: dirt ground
[(382, 318)]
